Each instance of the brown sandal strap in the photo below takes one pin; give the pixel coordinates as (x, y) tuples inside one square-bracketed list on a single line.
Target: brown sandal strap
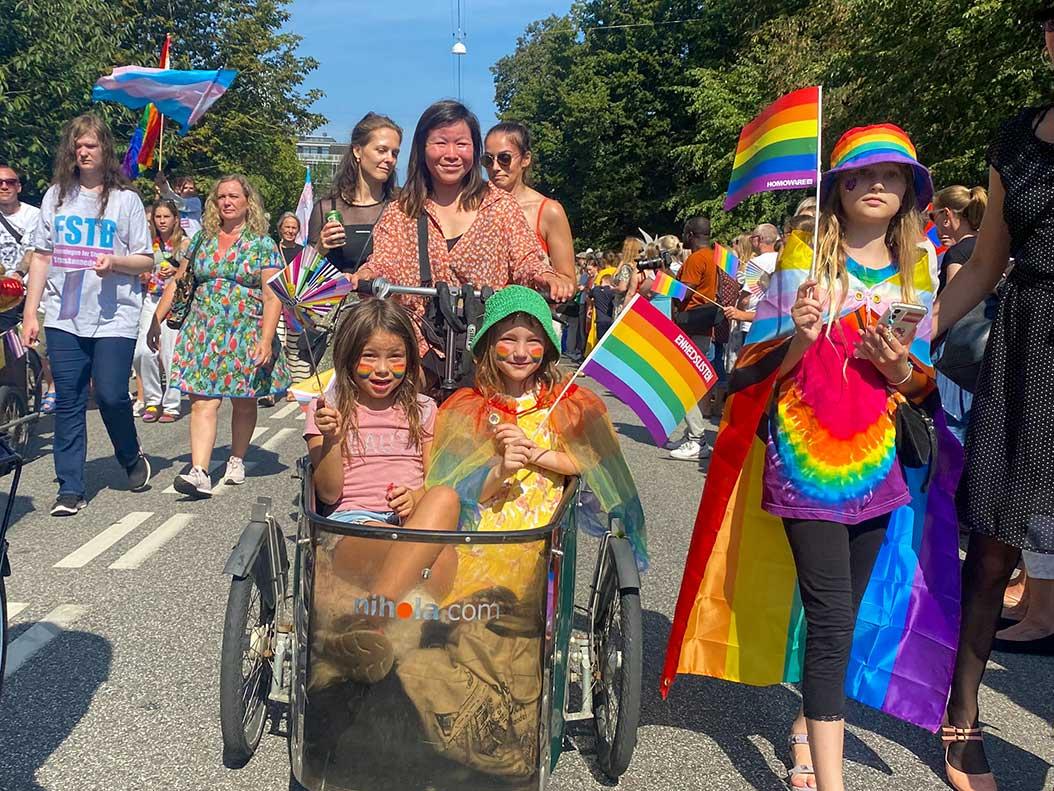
[(950, 733)]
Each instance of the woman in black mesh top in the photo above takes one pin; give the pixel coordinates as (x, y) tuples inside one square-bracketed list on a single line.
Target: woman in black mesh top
[(364, 184)]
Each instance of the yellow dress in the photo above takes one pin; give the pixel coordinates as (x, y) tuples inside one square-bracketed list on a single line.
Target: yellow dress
[(528, 502)]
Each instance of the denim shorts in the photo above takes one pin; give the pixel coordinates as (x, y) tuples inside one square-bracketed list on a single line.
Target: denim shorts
[(355, 517)]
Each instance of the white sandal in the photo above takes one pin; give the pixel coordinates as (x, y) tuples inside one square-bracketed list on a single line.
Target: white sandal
[(799, 770)]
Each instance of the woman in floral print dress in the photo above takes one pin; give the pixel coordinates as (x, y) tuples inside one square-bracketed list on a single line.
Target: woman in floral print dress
[(227, 346)]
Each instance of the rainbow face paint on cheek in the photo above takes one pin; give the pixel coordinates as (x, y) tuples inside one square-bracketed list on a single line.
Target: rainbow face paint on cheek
[(504, 350), (363, 370), (537, 352), (398, 369)]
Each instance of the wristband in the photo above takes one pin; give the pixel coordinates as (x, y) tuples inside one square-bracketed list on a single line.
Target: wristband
[(911, 371)]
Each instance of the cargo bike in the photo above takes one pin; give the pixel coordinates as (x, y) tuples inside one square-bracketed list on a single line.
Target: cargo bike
[(475, 694)]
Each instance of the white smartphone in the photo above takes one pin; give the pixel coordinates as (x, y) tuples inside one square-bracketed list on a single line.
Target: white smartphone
[(902, 318)]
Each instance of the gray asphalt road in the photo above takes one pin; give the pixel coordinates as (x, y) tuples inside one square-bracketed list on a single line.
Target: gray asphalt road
[(124, 604)]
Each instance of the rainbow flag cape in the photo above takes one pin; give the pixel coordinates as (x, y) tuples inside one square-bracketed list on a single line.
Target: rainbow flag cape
[(182, 95), (140, 154), (780, 149), (651, 366), (726, 260), (739, 616), (666, 286)]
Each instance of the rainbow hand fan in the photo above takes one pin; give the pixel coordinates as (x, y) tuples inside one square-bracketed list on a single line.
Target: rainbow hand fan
[(309, 287), (750, 275)]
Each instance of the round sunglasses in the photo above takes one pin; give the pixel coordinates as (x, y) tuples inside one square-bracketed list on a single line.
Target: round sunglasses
[(503, 158)]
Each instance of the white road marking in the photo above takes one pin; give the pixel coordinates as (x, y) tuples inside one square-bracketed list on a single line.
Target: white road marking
[(302, 415), (15, 607), (137, 555), (102, 542), (286, 410), (257, 432), (276, 439), (39, 635)]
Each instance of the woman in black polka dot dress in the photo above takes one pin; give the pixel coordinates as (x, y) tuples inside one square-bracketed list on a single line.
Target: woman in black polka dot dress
[(1006, 497)]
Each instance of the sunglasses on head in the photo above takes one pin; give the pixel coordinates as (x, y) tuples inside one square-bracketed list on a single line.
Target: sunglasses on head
[(935, 213), (504, 158)]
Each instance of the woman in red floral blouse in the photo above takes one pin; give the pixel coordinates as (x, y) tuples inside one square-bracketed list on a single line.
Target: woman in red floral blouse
[(476, 233)]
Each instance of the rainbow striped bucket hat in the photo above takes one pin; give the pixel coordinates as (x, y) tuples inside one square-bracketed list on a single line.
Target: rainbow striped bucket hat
[(871, 145)]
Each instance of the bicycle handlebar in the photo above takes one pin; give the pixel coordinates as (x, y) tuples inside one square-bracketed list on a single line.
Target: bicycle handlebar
[(381, 288)]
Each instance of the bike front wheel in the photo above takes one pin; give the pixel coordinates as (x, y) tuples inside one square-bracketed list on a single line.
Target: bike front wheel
[(245, 670)]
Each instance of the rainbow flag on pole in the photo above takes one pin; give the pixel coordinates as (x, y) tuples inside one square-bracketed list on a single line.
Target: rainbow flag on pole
[(726, 260), (141, 147), (650, 365), (780, 149), (666, 286)]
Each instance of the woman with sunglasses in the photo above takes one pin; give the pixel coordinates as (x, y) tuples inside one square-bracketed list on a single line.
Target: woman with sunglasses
[(1006, 496), (508, 161), (473, 232)]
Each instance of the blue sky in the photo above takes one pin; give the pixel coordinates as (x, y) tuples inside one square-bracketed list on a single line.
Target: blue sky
[(393, 56)]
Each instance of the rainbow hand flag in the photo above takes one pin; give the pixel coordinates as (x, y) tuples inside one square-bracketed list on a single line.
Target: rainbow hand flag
[(651, 366), (140, 154), (726, 260), (780, 149), (666, 286)]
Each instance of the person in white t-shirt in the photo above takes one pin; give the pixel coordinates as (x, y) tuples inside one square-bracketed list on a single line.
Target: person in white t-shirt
[(90, 246), (764, 240), (17, 222)]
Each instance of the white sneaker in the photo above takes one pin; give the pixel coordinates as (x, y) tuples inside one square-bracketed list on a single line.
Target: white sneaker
[(691, 450), (195, 483), (235, 472)]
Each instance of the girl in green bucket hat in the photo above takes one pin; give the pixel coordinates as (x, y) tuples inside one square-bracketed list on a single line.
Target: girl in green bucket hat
[(510, 444)]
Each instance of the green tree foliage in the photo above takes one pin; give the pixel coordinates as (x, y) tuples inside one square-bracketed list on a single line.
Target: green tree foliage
[(47, 69), (251, 129), (637, 126)]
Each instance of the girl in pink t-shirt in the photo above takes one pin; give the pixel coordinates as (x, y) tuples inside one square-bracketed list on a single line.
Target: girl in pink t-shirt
[(369, 440)]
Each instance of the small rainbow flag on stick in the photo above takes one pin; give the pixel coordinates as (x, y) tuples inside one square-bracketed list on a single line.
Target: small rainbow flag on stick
[(780, 149), (666, 286), (726, 260), (650, 365)]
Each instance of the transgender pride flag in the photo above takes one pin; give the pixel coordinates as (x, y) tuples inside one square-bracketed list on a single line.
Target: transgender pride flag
[(182, 95)]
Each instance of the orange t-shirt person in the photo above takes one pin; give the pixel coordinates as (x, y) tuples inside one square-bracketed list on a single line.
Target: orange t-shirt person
[(699, 273)]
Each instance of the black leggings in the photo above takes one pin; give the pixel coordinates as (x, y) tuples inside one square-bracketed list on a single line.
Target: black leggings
[(834, 563)]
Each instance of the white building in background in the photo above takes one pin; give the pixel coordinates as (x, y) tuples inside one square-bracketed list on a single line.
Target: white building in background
[(317, 150), (323, 154)]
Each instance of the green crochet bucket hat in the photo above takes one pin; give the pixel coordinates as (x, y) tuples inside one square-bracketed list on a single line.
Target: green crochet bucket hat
[(516, 299)]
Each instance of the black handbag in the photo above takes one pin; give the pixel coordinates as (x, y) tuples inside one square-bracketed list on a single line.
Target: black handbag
[(185, 287), (916, 438), (963, 348)]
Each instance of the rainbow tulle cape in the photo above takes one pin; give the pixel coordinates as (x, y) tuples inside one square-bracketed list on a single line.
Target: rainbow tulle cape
[(739, 616), (462, 454)]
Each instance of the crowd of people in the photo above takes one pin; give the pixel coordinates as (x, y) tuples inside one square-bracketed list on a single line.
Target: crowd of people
[(177, 293)]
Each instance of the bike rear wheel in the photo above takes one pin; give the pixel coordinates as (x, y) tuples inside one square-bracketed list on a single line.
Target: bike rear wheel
[(3, 632), (245, 670), (618, 665)]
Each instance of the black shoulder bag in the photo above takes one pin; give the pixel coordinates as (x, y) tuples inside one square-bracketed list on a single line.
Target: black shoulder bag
[(186, 285)]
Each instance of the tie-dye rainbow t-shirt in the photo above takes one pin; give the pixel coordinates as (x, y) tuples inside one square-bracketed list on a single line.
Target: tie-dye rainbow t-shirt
[(832, 441)]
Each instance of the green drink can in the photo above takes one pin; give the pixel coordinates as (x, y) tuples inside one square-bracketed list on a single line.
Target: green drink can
[(334, 216)]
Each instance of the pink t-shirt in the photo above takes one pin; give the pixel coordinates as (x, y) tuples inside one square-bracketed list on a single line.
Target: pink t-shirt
[(383, 455)]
